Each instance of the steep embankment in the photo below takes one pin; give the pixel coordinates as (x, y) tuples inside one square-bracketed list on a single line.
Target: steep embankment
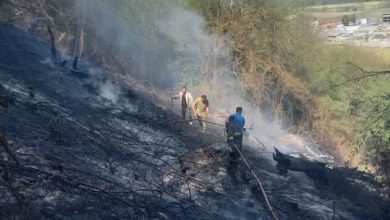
[(70, 152), (79, 155)]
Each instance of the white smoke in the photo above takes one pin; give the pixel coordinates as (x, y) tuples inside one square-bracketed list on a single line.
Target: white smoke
[(213, 51), (174, 46), (110, 91)]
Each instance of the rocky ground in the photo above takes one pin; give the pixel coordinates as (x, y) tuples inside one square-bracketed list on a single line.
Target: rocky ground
[(71, 149)]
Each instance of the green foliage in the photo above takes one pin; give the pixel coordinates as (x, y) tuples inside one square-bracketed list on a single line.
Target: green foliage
[(376, 133), (266, 31), (352, 104)]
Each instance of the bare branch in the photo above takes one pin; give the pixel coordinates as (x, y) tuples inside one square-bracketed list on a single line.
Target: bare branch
[(366, 74)]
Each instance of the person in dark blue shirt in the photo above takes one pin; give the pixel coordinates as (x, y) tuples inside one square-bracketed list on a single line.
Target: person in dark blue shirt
[(234, 140), (239, 120)]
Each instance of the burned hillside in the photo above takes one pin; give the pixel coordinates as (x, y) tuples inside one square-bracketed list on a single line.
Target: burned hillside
[(96, 140), (68, 152), (72, 153)]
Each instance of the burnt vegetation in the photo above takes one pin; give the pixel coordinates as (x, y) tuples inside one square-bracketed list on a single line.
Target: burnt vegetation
[(96, 141), (66, 146)]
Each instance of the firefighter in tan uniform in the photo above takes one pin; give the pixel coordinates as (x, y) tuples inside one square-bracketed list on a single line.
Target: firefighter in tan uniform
[(201, 110)]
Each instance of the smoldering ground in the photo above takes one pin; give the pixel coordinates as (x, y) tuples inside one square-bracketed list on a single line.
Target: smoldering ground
[(75, 128), (165, 44)]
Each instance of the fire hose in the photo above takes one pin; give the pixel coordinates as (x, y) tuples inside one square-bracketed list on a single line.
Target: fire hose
[(273, 214), (258, 182)]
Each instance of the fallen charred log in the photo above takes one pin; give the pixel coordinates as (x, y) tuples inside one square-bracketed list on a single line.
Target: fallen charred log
[(338, 182), (318, 171), (314, 169)]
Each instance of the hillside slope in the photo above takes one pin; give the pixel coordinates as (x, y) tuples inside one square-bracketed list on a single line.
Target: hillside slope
[(81, 156), (72, 150)]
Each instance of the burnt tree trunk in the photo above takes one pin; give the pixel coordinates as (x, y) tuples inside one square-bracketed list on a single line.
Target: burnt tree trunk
[(314, 169)]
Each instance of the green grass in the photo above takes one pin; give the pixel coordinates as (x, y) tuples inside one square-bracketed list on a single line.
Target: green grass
[(384, 53)]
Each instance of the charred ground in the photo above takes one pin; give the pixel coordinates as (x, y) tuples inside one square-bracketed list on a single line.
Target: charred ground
[(79, 154), (70, 153)]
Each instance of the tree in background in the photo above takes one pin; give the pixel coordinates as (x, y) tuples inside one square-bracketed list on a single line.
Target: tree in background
[(376, 133), (345, 20), (285, 66)]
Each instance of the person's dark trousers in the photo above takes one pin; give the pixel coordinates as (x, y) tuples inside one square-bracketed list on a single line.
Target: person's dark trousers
[(183, 112), (233, 163), (239, 142)]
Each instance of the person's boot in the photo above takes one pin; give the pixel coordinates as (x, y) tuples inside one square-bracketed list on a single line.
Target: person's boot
[(190, 117)]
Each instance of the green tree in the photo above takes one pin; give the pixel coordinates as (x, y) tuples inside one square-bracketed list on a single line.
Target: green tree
[(376, 133)]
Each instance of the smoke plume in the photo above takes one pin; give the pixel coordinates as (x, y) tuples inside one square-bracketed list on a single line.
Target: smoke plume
[(167, 45)]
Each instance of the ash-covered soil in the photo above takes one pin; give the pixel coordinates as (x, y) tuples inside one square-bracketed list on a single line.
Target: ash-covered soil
[(72, 147)]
